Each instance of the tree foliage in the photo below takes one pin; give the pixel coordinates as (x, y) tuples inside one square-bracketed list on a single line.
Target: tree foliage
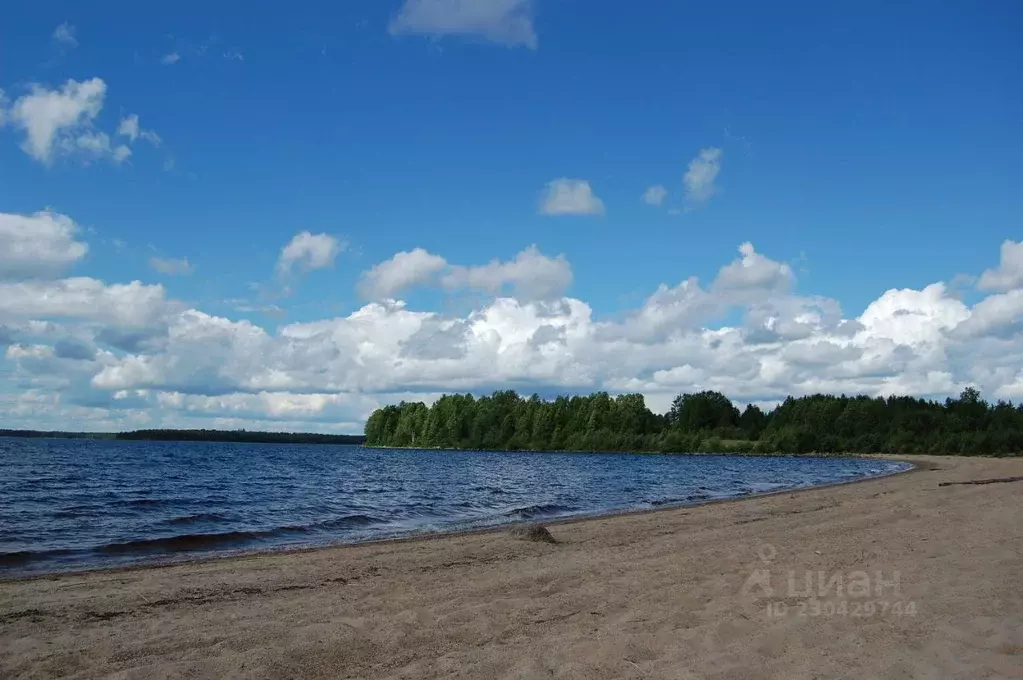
[(704, 421)]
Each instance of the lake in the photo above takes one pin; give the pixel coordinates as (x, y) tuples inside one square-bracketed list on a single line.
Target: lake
[(74, 504)]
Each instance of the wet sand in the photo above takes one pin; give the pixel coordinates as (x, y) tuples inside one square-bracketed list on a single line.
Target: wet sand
[(793, 585)]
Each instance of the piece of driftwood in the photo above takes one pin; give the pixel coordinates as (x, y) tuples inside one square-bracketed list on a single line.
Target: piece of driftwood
[(996, 480)]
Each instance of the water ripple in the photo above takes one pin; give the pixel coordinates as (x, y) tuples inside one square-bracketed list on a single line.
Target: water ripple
[(71, 504)]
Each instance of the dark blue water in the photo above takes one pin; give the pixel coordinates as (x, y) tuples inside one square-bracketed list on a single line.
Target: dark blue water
[(70, 504)]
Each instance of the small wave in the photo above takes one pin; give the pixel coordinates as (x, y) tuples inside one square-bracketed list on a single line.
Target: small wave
[(689, 498), (375, 489), (668, 501), (186, 542), (78, 511), (493, 490), (22, 557), (206, 541), (346, 522), (142, 502), (541, 510), (70, 514), (196, 518)]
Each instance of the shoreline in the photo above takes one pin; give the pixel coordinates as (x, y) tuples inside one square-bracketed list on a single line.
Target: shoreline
[(659, 593), (243, 553)]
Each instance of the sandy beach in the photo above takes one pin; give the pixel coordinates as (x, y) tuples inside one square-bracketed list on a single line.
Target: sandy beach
[(889, 578)]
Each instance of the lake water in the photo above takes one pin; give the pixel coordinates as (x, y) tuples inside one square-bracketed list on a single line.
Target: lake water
[(72, 504)]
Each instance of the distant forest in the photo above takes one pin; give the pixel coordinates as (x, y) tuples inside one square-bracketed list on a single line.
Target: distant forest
[(200, 436), (704, 422)]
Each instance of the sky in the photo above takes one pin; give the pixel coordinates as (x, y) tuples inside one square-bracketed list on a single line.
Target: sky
[(283, 216)]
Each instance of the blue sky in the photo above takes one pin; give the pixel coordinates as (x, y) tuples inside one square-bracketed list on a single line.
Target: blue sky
[(859, 147)]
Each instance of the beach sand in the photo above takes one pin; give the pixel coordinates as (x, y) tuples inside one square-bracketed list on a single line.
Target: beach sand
[(698, 592)]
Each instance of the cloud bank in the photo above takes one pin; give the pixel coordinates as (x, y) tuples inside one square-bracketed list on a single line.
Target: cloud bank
[(85, 353)]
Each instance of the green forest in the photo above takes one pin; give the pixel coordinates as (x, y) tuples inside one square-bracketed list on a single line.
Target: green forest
[(705, 422)]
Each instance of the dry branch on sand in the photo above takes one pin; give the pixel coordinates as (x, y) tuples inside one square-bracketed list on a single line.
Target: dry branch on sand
[(995, 480)]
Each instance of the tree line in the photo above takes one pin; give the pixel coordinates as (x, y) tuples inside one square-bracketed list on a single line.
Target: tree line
[(704, 422)]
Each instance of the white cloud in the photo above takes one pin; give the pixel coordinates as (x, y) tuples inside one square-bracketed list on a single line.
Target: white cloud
[(81, 352), (1009, 273), (64, 36), (406, 269), (655, 195), (308, 251), (60, 119), (753, 271), (566, 196), (172, 266), (170, 58), (132, 304), (531, 275), (92, 145), (203, 355), (701, 174), (745, 282), (38, 245), (505, 22), (914, 317), (234, 55), (120, 153), (130, 128), (996, 315)]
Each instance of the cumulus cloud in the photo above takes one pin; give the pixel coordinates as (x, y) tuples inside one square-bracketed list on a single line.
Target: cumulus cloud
[(38, 245), (61, 121), (129, 127), (64, 36), (566, 196), (405, 270), (749, 280), (996, 315), (753, 271), (45, 115), (307, 252), (124, 304), (172, 266), (505, 22), (222, 356), (531, 275), (1009, 273), (655, 195), (914, 317), (170, 58), (701, 175)]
